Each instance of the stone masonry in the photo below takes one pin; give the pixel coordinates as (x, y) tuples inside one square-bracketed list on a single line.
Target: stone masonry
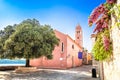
[(112, 68)]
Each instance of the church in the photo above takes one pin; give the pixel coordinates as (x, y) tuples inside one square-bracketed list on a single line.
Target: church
[(67, 54)]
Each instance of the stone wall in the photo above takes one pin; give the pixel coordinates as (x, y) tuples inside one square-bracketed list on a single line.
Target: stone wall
[(112, 68)]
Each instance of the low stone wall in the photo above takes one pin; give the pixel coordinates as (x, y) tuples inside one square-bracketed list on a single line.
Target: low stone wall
[(25, 69), (4, 68)]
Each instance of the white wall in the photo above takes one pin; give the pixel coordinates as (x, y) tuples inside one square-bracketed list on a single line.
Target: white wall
[(112, 68)]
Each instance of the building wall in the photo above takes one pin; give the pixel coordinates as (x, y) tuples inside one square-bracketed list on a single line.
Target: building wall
[(36, 62), (59, 58), (63, 58), (112, 68), (72, 53)]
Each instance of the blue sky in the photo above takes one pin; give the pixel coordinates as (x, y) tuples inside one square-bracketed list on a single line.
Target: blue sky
[(62, 15)]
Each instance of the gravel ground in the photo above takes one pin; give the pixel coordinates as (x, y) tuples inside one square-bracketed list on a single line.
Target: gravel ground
[(79, 73)]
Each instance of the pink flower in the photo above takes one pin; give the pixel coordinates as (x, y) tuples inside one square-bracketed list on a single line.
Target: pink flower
[(95, 14), (105, 25), (98, 27), (110, 1), (106, 43)]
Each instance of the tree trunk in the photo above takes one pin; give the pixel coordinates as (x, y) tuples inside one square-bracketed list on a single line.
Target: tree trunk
[(27, 63)]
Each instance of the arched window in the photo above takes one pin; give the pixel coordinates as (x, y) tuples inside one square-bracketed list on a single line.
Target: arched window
[(62, 49), (72, 46)]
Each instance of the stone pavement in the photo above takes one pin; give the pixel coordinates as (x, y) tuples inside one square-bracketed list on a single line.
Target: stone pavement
[(79, 73)]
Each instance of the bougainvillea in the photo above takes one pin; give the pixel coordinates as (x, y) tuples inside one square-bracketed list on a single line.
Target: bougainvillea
[(95, 14), (110, 1), (106, 42), (100, 46), (101, 17)]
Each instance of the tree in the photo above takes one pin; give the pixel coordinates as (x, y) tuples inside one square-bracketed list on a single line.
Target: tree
[(30, 40), (4, 35)]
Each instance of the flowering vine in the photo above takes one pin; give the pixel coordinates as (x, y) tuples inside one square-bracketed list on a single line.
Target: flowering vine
[(101, 17)]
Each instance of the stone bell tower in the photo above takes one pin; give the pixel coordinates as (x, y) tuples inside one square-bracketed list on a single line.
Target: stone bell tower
[(78, 35)]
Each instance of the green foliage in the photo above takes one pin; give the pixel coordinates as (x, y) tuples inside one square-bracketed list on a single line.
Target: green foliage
[(30, 40), (4, 35), (98, 50)]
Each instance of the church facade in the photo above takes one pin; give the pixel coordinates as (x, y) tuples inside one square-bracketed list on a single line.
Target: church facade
[(66, 54)]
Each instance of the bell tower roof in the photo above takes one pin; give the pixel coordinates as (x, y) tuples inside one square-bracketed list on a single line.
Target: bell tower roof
[(78, 26)]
